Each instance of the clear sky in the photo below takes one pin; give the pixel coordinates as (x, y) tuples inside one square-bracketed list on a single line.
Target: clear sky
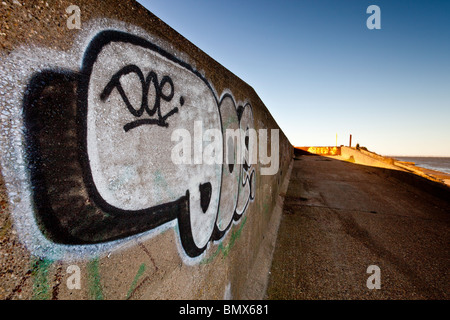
[(320, 71)]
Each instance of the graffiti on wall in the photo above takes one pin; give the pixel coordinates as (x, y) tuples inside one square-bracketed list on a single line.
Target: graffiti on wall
[(97, 148)]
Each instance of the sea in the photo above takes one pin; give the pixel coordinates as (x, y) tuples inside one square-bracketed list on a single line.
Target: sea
[(441, 164)]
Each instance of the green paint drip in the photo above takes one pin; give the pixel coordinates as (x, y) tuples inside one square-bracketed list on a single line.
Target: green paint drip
[(214, 255), (41, 287), (136, 278), (95, 288), (235, 235), (226, 249)]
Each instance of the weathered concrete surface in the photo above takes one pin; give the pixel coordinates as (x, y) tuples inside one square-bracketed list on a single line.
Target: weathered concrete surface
[(339, 218), (92, 204), (367, 158)]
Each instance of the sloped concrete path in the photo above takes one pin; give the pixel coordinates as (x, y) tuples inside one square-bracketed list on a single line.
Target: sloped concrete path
[(340, 218)]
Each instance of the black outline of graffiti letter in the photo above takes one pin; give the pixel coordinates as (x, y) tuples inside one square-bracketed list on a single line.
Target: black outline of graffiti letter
[(152, 77)]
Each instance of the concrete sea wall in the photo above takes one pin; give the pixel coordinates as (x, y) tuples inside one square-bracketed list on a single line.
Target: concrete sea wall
[(118, 179), (367, 158)]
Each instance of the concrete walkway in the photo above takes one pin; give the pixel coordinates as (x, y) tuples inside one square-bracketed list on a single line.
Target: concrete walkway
[(340, 218)]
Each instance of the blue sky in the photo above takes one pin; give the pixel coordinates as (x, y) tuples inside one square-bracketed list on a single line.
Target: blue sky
[(320, 71)]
